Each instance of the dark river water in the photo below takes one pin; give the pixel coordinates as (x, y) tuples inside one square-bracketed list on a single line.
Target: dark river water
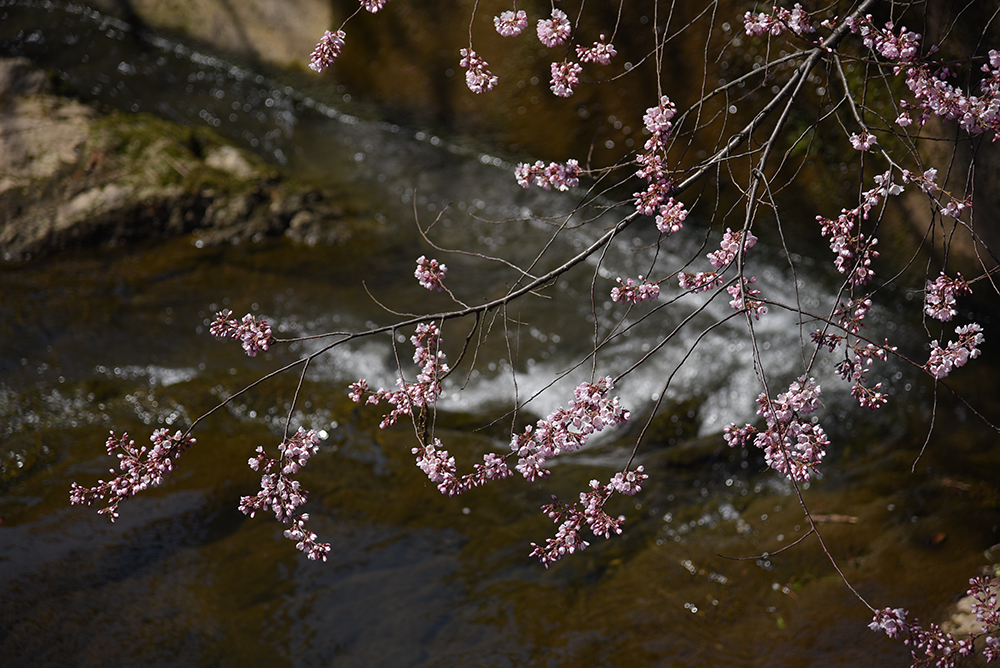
[(117, 338)]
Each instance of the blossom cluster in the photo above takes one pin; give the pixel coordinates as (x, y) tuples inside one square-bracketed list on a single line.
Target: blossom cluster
[(436, 463), (939, 296), (633, 293), (440, 468), (565, 77), (430, 273), (927, 181), (929, 85), (855, 369), (986, 604), (658, 121), (855, 252), (424, 392), (567, 429), (943, 360), (671, 216), (373, 5), (780, 19), (601, 52), (831, 341), (863, 141), (928, 647), (327, 50), (932, 646), (563, 431), (744, 297), (282, 495), (478, 77), (851, 316), (568, 538), (141, 468), (547, 177), (859, 356), (554, 31), (587, 513), (510, 24), (955, 207), (973, 114), (792, 445), (253, 334), (731, 245), (699, 282), (902, 47), (656, 199)]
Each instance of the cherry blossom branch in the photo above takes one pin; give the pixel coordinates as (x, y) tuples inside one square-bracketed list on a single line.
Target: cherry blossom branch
[(792, 440)]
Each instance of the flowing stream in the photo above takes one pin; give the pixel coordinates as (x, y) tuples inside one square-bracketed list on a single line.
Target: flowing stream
[(117, 339)]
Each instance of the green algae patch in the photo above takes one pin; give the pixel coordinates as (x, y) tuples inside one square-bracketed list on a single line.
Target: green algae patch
[(145, 148)]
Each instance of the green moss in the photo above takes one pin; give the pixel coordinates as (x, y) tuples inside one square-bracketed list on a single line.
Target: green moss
[(153, 150)]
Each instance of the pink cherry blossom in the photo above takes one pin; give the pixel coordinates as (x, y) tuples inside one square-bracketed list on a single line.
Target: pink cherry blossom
[(855, 369), (856, 251), (141, 469), (746, 298), (703, 280), (282, 495), (730, 246), (430, 273), (478, 77), (554, 175), (792, 446), (438, 465), (567, 429), (656, 199), (253, 334), (863, 141), (851, 316), (373, 5), (554, 31), (587, 513), (796, 20), (671, 216), (600, 52), (327, 50), (408, 396), (565, 77), (629, 482), (931, 645), (943, 360), (633, 293), (939, 296), (510, 24), (927, 181)]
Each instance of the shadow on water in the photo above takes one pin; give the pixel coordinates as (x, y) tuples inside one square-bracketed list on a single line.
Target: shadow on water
[(118, 339)]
